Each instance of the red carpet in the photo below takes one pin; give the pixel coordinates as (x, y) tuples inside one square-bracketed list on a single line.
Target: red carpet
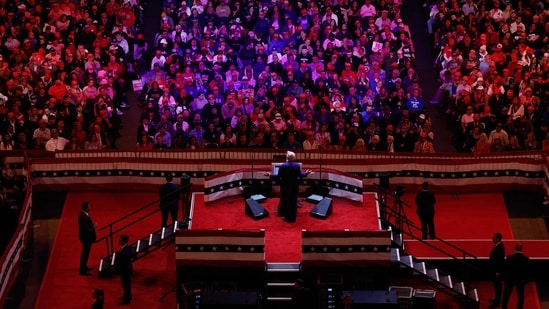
[(467, 216), (62, 287), (282, 239), (464, 217)]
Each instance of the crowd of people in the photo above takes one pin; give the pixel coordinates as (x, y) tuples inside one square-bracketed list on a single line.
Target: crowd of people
[(63, 72), (279, 74), (494, 61), (334, 75)]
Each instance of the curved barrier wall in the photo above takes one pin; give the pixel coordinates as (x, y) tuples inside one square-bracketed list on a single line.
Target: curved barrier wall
[(131, 170), (9, 264)]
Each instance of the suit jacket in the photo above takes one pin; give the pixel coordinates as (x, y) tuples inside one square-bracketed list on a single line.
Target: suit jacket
[(516, 268), (86, 229), (497, 257), (289, 174), (124, 264), (425, 201), (169, 195)]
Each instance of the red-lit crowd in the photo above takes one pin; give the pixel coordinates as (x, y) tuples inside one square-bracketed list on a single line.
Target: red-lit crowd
[(63, 72), (494, 61)]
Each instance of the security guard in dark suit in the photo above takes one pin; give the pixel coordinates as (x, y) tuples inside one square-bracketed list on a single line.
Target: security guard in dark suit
[(87, 236), (124, 266), (169, 200)]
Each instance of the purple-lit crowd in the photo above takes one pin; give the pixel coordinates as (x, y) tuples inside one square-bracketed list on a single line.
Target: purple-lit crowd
[(333, 75)]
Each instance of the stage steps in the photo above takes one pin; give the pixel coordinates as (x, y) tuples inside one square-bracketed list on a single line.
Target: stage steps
[(279, 285), (142, 247), (436, 278)]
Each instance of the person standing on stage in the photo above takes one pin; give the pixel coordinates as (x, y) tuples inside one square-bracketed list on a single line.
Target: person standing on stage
[(87, 236), (289, 174), (516, 273), (425, 202), (169, 200), (497, 257), (124, 266)]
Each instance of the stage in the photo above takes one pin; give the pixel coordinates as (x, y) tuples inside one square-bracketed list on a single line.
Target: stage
[(282, 239), (155, 274)]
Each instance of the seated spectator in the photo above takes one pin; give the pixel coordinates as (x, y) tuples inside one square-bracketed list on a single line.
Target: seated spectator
[(93, 143), (497, 145), (7, 143), (310, 142), (56, 142), (423, 145), (291, 143), (359, 146), (482, 146), (41, 135), (531, 143), (145, 143)]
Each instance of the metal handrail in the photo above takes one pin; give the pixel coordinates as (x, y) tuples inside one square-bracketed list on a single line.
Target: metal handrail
[(109, 237), (403, 219), (412, 225)]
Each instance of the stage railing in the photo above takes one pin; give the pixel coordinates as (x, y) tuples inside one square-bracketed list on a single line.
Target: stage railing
[(394, 215), (112, 231)]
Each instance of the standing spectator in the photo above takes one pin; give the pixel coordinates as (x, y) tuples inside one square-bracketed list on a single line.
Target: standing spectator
[(87, 236), (516, 273), (425, 202), (497, 258)]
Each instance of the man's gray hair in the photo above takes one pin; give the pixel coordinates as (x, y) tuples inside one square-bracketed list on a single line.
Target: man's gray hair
[(290, 155)]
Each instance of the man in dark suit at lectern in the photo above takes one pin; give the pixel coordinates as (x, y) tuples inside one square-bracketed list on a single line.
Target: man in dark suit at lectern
[(169, 200), (87, 236), (289, 174)]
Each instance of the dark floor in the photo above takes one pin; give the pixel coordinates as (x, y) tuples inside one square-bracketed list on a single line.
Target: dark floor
[(523, 204)]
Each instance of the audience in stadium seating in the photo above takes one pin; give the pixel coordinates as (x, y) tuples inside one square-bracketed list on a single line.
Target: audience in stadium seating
[(281, 74), (346, 68), (494, 61), (64, 66)]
